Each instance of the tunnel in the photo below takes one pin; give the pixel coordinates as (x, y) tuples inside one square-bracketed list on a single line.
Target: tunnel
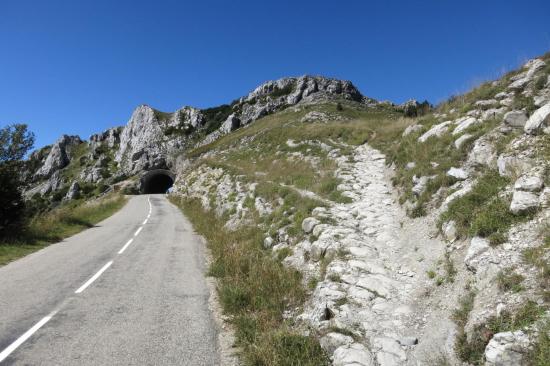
[(156, 181)]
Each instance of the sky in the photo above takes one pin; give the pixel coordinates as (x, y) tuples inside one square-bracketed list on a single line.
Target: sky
[(82, 66)]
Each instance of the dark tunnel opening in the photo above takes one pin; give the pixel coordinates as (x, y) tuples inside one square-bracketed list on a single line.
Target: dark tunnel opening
[(156, 183)]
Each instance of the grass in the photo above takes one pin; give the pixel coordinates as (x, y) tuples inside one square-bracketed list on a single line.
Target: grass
[(471, 348), (255, 289), (540, 353), (57, 224), (482, 212), (509, 281), (538, 257)]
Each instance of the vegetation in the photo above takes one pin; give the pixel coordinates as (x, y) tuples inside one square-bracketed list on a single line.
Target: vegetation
[(56, 225), (509, 281), (15, 142), (255, 289), (471, 348), (482, 211), (538, 257)]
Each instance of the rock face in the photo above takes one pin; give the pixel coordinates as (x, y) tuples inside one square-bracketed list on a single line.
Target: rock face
[(58, 157), (73, 192), (110, 137), (523, 202), (150, 136)]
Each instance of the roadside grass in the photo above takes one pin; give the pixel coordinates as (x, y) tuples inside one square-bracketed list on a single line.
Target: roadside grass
[(57, 224), (255, 289)]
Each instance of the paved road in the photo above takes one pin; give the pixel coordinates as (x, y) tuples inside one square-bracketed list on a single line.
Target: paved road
[(65, 305)]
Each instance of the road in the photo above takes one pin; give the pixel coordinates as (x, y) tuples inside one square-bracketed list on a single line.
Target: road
[(98, 299)]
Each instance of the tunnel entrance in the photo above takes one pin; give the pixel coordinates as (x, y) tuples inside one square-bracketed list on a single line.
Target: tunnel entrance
[(156, 181)]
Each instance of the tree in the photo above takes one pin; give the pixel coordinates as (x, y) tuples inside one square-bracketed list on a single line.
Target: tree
[(15, 142)]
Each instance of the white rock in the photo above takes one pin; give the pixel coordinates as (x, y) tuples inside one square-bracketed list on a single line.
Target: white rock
[(538, 120), (507, 349), (352, 355), (515, 118), (309, 223), (419, 185), (449, 231), (390, 345), (523, 201), (463, 124), (411, 129), (483, 153), (529, 183), (477, 247), (331, 341), (457, 173), (268, 242), (437, 131), (410, 165), (462, 139)]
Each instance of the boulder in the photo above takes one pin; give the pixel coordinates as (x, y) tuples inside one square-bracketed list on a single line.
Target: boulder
[(412, 129), (449, 231), (457, 173), (331, 341), (538, 121), (483, 153), (529, 183), (268, 242), (507, 349), (436, 131), (73, 192), (524, 201), (515, 119), (419, 184), (309, 223), (477, 247), (230, 124), (465, 123), (354, 354), (462, 139)]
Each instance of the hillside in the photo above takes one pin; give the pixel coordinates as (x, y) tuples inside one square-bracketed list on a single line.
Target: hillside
[(348, 231)]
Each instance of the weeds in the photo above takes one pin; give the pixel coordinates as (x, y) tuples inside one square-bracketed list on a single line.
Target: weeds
[(255, 289)]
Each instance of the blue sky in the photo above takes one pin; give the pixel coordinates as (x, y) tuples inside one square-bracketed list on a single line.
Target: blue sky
[(80, 66)]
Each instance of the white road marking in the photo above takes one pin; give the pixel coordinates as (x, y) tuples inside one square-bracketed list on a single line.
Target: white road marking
[(125, 246), (19, 341), (94, 277)]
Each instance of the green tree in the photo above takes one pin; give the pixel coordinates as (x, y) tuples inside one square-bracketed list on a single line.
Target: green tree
[(15, 142)]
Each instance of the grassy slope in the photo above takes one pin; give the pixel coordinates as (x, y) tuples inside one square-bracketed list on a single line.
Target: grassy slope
[(58, 224)]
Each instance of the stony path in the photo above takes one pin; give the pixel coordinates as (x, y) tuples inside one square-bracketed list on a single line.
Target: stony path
[(364, 303)]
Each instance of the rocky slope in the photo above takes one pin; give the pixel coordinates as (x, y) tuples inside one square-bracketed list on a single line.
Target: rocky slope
[(421, 236), (425, 247)]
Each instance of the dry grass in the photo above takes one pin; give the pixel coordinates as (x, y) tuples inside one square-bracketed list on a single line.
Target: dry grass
[(255, 289), (58, 224)]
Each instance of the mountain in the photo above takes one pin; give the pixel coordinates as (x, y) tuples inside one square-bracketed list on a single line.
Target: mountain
[(348, 230)]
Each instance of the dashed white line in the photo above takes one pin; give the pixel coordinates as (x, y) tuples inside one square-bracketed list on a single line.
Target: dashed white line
[(125, 246), (94, 277), (19, 341)]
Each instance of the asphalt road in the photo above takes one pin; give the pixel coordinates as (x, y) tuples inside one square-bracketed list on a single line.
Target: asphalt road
[(93, 299)]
